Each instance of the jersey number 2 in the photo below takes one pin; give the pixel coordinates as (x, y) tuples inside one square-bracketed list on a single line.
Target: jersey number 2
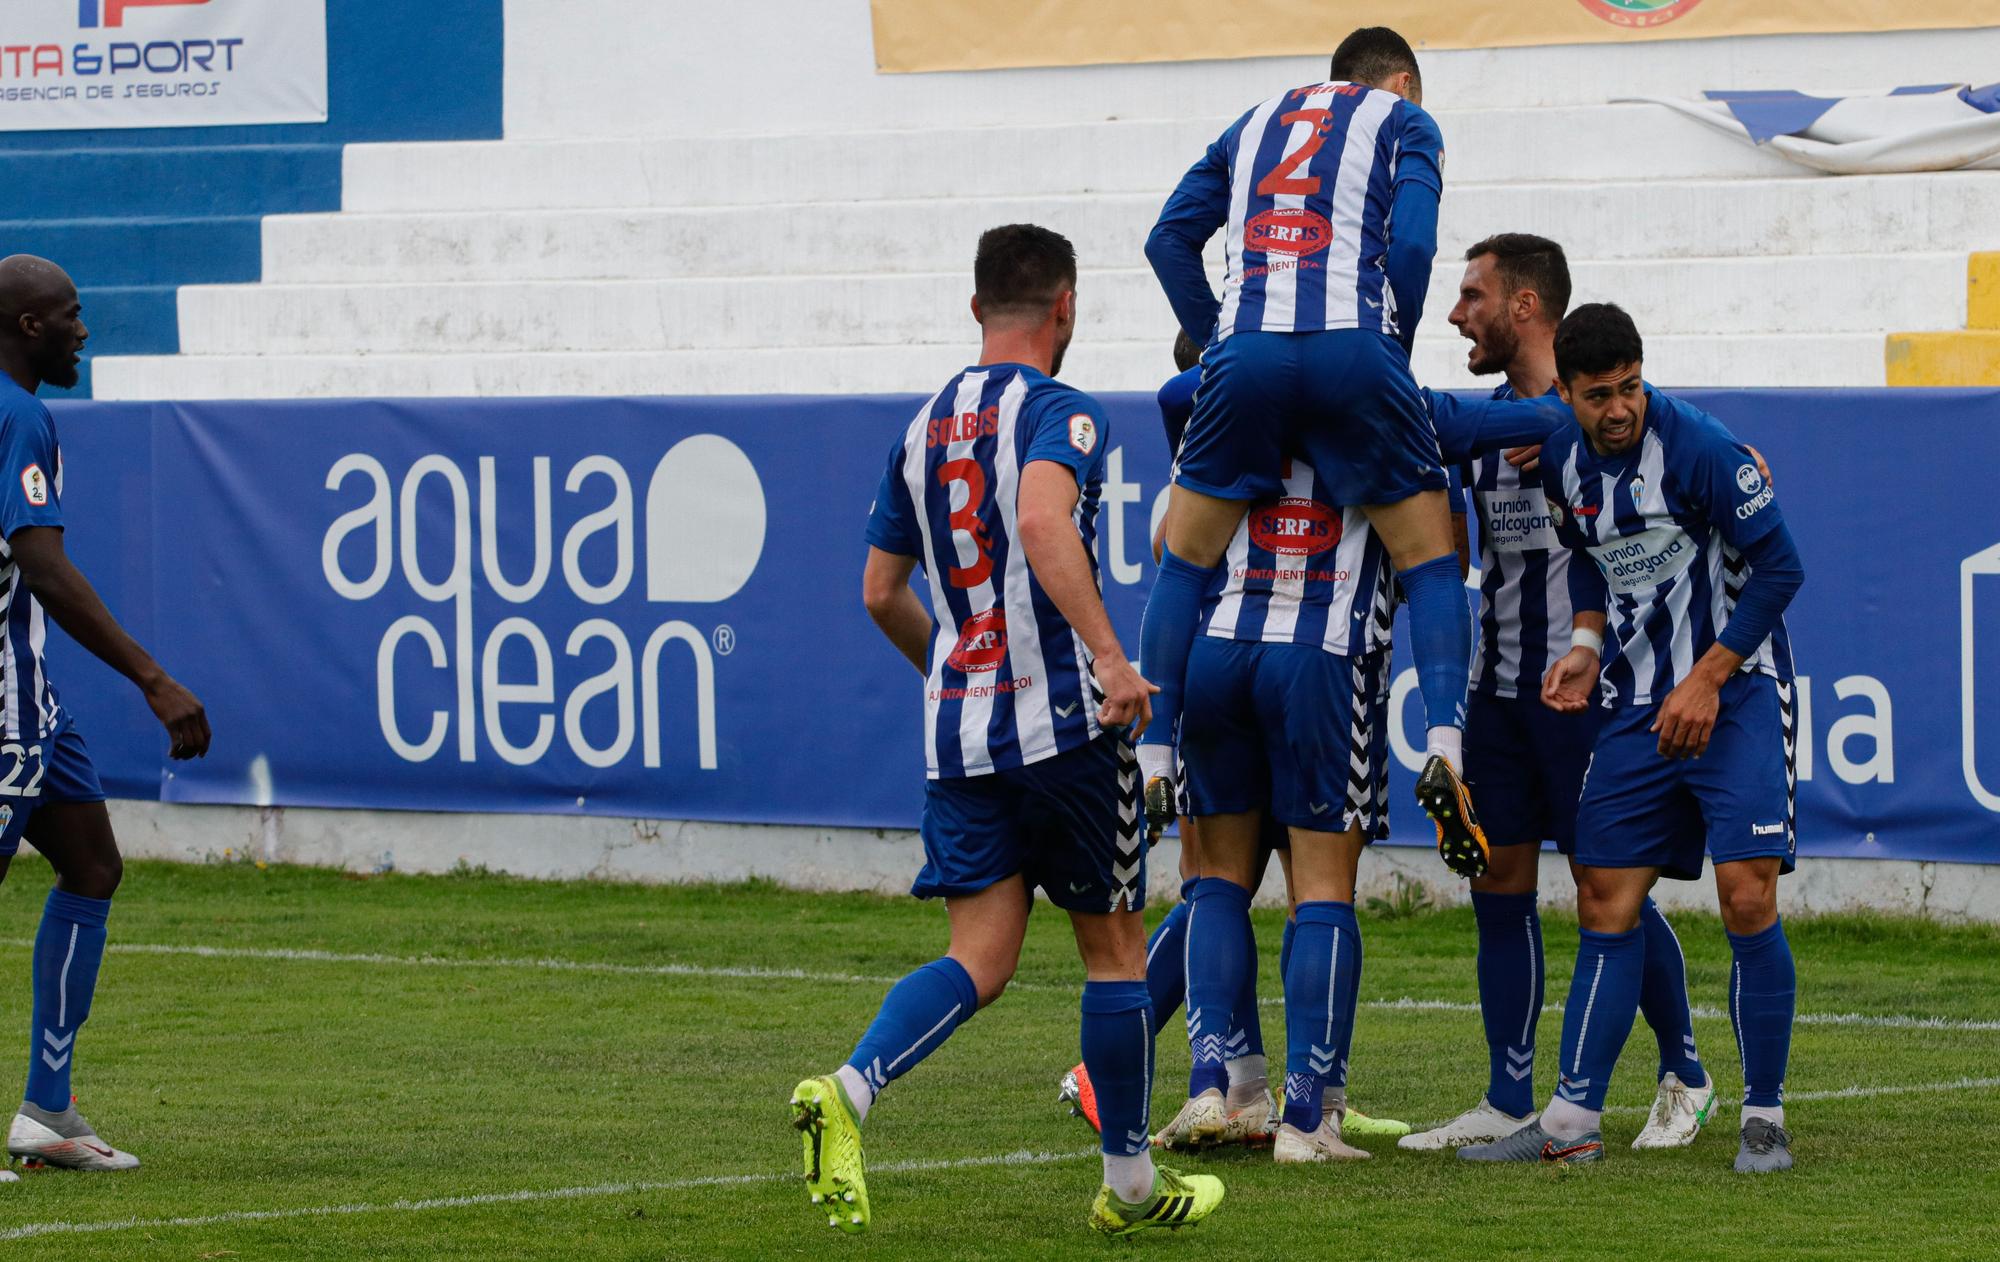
[(1282, 178), (968, 474)]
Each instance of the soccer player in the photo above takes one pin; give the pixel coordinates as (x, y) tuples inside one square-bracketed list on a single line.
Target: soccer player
[(1525, 760), (1329, 193), (1677, 533), (55, 802), (993, 490)]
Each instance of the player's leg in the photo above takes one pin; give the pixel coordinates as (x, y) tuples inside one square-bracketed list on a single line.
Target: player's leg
[(1686, 1096), (1229, 455), (1322, 982), (1744, 782), (72, 829), (973, 857), (1248, 1103)]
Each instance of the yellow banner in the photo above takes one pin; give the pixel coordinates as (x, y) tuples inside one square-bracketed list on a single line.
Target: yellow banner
[(918, 35)]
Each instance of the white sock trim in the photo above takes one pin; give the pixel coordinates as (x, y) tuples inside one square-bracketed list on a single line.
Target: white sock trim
[(1774, 1114), (1564, 1120), (859, 1093), (1447, 743), (1130, 1178), (1245, 1070)]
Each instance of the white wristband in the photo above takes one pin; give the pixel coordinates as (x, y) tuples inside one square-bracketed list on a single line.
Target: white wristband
[(1585, 638)]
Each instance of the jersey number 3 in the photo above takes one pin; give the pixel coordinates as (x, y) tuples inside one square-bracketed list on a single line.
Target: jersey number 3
[(968, 474), (1283, 177)]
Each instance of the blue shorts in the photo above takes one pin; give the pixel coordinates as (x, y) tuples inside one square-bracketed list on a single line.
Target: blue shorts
[(1524, 764), (1343, 401), (1640, 810), (1070, 824), (1290, 730), (55, 769)]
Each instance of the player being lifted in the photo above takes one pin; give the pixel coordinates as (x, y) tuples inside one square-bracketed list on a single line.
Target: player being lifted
[(1525, 760), (1329, 194), (54, 801), (1676, 531), (993, 490)]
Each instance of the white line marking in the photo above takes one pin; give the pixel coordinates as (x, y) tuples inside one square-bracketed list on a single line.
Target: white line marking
[(751, 973), (1849, 1093), (1021, 1158)]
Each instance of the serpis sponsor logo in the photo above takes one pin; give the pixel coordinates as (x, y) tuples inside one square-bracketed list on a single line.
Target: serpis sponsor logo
[(1293, 231), (982, 643), (1294, 526)]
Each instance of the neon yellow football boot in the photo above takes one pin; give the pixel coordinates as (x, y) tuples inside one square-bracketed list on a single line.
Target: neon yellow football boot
[(824, 1116), (1178, 1200), (1355, 1122)]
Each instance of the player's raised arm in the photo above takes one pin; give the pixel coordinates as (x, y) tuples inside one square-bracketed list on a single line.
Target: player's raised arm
[(76, 607), (1193, 213), (1413, 218)]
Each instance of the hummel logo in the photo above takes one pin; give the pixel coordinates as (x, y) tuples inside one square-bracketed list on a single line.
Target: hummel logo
[(1075, 888), (1064, 711), (1319, 808)]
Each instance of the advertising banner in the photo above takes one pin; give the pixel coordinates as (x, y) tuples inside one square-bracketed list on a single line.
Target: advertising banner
[(919, 35), (651, 607), (67, 64)]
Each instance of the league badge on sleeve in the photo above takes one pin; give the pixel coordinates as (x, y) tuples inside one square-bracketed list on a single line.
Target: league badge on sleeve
[(1748, 480), (1083, 433), (35, 485)]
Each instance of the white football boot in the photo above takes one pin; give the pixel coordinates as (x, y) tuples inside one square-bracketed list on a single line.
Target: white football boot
[(1481, 1125), (1679, 1111), (41, 1138), (1295, 1147), (1200, 1123)]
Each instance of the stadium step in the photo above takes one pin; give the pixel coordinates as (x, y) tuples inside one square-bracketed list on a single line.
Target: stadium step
[(1784, 359), (1961, 357), (1621, 141), (124, 252), (1799, 293), (182, 182), (1660, 220)]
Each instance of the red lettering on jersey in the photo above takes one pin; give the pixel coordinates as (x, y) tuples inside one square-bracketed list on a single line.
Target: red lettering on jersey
[(982, 643), (963, 428), (1281, 179), (966, 519), (1294, 526), (1290, 232)]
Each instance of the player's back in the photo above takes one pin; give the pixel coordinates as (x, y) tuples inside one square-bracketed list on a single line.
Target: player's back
[(1009, 680), (1667, 523), (29, 708), (1312, 174)]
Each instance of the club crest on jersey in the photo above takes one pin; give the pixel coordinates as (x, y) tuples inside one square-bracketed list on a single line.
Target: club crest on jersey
[(1294, 526), (1083, 433), (1748, 480), (1638, 485), (982, 643), (1291, 230), (34, 485), (6, 817)]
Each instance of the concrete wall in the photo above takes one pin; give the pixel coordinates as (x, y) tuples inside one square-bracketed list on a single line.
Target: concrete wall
[(884, 861)]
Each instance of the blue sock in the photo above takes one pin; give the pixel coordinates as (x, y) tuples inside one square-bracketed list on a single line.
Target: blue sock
[(1510, 995), (1763, 990), (1325, 964), (1351, 990), (1219, 949), (1247, 1038), (1166, 960), (1440, 638), (1597, 1017), (69, 947), (1166, 635), (1663, 998), (1118, 1055), (915, 1019), (1285, 949)]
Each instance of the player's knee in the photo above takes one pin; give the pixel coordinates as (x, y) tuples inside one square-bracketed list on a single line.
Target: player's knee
[(1603, 905), (1749, 906), (94, 875)]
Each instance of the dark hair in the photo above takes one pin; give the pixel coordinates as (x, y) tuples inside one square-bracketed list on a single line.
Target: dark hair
[(1372, 54), (1526, 261), (1596, 338), (1187, 351), (1020, 268)]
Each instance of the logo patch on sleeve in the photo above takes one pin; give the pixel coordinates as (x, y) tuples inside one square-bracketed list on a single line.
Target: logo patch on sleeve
[(34, 485), (1748, 480), (1083, 433)]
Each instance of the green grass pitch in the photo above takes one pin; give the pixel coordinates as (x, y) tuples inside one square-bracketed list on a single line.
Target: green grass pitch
[(321, 1066)]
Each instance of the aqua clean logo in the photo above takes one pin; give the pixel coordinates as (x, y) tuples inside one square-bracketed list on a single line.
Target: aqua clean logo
[(1639, 13)]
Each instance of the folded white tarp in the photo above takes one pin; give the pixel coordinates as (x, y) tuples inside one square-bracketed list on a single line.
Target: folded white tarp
[(1940, 127)]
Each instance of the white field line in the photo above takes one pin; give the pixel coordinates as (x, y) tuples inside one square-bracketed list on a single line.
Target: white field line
[(752, 973), (1022, 1158), (1849, 1093)]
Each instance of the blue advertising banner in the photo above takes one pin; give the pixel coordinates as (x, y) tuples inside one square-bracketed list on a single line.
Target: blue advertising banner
[(651, 607)]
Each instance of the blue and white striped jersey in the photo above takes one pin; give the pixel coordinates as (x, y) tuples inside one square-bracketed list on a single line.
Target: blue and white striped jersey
[(1009, 679), (1524, 610), (1665, 525), (1304, 182), (1302, 569), (30, 495)]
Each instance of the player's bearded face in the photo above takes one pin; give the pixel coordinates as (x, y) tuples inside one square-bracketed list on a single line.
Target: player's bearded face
[(62, 337), (1609, 406), (1065, 316), (1481, 316)]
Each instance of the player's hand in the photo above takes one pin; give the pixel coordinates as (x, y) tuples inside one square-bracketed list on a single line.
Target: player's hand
[(1526, 459), (1128, 697), (1568, 686), (1762, 468), (181, 713), (1687, 719)]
